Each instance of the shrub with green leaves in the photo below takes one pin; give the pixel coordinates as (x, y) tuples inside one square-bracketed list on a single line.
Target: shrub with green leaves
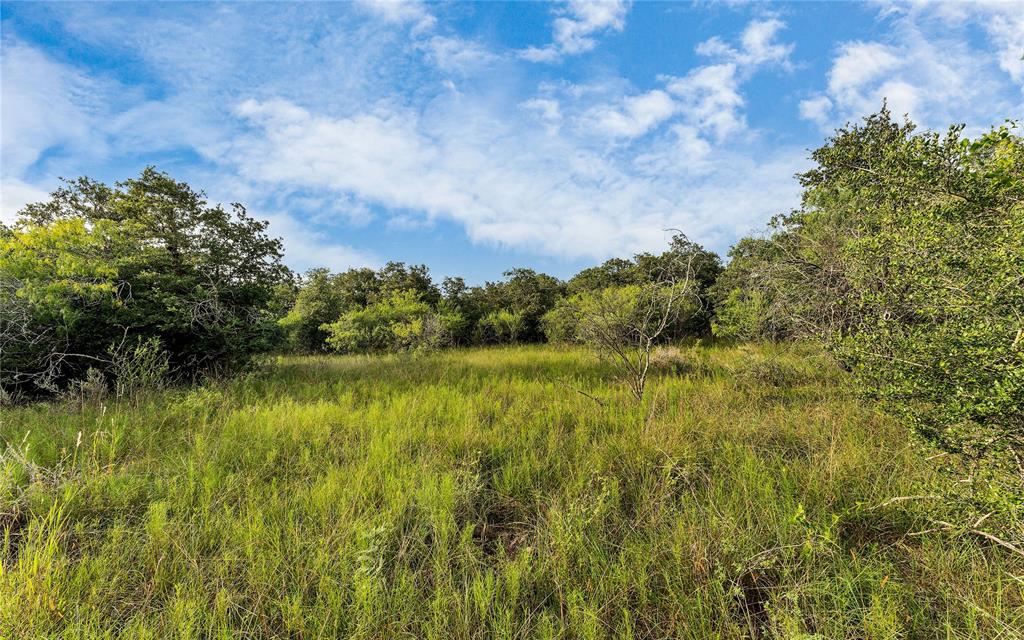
[(743, 315), (397, 322), (318, 301), (906, 259), (561, 324), (147, 256), (936, 275), (500, 327)]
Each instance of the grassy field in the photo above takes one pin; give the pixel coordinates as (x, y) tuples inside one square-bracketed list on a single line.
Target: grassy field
[(484, 493)]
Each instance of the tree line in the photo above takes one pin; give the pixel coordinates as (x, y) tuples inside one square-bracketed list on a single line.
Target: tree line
[(101, 278), (399, 307)]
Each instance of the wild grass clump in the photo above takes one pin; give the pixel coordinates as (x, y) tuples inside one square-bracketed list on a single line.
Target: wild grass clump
[(475, 494), (90, 391), (682, 360)]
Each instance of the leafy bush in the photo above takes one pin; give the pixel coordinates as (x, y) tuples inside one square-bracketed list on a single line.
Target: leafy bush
[(937, 288), (501, 327), (319, 301), (624, 324), (743, 315), (561, 324), (906, 259), (400, 321), (323, 297), (684, 260)]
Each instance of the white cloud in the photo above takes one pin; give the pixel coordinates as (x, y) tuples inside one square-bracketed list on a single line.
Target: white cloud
[(574, 30), (712, 99), (1007, 30), (44, 104), (710, 95), (757, 45), (931, 66), (816, 109), (540, 54), (685, 153), (457, 54), (708, 98), (305, 247), (856, 66), (636, 116), (548, 109), (46, 108), (57, 120), (15, 194), (520, 180), (325, 123), (544, 193), (401, 12)]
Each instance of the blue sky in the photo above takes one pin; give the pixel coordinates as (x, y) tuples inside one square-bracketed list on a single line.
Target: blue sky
[(476, 137)]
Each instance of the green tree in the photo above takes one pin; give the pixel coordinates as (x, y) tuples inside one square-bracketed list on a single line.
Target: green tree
[(147, 257), (746, 302), (503, 326), (624, 324), (321, 299), (645, 268), (935, 272), (396, 276), (615, 272)]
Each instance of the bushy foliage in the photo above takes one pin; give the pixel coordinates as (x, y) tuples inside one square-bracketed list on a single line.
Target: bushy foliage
[(936, 279), (524, 296), (318, 302), (750, 294), (561, 324), (396, 277), (513, 310), (631, 315), (500, 327), (148, 256), (743, 315), (906, 259), (323, 297), (397, 322)]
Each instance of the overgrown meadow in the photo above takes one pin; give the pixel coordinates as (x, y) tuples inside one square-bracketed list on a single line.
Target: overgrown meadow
[(498, 492)]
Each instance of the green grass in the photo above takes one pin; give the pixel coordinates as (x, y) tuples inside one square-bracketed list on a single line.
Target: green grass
[(478, 494)]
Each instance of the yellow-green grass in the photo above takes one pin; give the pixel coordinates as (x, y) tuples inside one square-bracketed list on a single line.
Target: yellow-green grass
[(515, 492)]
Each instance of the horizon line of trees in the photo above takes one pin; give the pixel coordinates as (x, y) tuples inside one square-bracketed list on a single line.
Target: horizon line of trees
[(399, 307), (100, 279)]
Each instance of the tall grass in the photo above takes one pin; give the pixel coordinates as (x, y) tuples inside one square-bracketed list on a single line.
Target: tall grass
[(516, 492)]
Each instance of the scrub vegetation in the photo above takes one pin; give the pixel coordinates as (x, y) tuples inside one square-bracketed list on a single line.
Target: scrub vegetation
[(821, 438)]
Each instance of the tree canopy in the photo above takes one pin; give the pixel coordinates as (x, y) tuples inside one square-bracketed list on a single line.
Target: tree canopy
[(97, 267)]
